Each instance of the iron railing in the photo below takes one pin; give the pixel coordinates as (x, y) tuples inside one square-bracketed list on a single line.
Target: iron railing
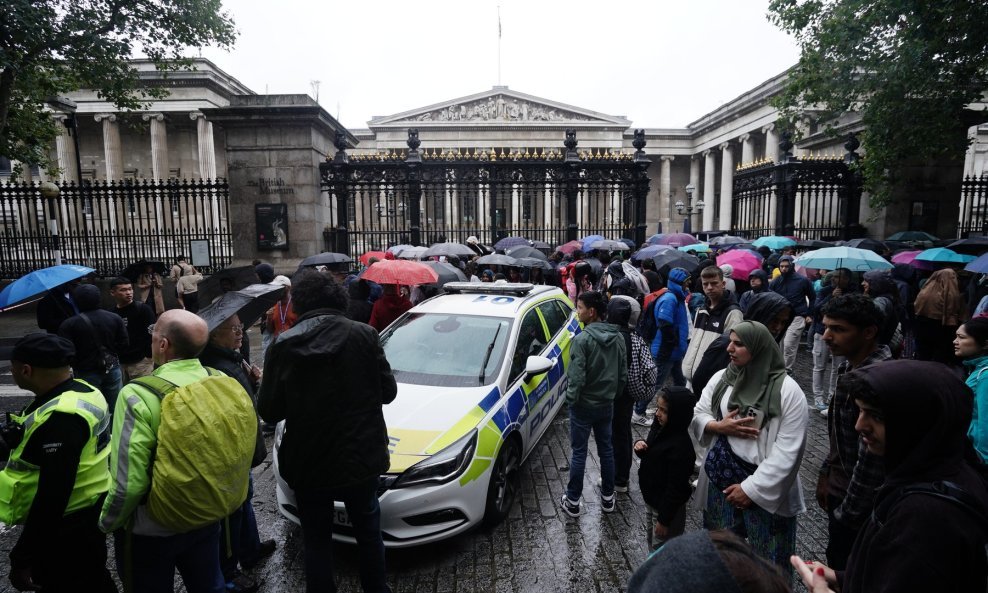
[(973, 217), (109, 225)]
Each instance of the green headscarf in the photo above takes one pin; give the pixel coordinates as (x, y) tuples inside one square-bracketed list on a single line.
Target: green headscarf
[(757, 384)]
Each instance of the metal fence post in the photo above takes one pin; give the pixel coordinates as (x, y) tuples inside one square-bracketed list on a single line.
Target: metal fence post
[(641, 183), (413, 163), (853, 188), (572, 166), (785, 187), (340, 168)]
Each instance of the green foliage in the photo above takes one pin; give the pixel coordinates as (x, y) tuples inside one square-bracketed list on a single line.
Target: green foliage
[(52, 47), (909, 67)]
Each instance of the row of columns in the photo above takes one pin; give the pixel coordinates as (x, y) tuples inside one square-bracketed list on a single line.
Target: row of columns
[(113, 151), (707, 189)]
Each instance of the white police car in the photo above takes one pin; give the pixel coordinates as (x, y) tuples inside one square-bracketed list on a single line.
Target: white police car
[(481, 373)]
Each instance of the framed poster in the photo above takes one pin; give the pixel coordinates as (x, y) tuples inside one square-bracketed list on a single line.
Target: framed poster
[(199, 253), (272, 226)]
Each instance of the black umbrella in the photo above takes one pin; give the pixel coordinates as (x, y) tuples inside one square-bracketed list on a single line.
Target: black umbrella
[(231, 278), (326, 258), (247, 304), (525, 251), (970, 246), (610, 245), (134, 270), (447, 272), (667, 260), (534, 262), (448, 249), (813, 244), (496, 260), (541, 245), (869, 244)]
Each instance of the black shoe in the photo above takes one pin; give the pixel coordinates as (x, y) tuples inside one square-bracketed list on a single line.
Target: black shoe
[(241, 583), (268, 428), (264, 550)]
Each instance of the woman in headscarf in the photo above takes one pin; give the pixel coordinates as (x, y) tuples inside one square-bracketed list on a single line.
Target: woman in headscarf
[(940, 310), (752, 416), (971, 345)]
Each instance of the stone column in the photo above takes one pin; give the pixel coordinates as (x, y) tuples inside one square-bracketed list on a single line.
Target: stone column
[(159, 145), (747, 149), (111, 146), (708, 190), (65, 149), (726, 185), (771, 143), (665, 190), (207, 151)]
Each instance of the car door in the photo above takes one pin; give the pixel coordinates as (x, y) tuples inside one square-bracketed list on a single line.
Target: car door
[(559, 318)]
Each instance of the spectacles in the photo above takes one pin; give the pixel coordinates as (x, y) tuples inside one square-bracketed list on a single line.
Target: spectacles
[(237, 329)]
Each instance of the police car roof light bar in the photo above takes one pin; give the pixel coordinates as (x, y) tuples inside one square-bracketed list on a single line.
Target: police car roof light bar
[(512, 288)]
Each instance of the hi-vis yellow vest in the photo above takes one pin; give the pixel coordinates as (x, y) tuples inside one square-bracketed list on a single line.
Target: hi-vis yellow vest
[(19, 480)]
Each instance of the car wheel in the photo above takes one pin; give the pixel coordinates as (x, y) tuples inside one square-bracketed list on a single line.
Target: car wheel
[(503, 487)]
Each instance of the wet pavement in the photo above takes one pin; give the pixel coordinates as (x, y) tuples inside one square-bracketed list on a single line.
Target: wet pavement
[(538, 548)]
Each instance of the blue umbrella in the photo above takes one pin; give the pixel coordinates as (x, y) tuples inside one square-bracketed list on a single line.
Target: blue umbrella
[(773, 242), (509, 242), (696, 248), (590, 240), (831, 258), (979, 265), (654, 239), (38, 282), (945, 256), (651, 251)]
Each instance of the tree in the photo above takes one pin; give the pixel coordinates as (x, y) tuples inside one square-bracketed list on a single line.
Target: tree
[(910, 68), (52, 47)]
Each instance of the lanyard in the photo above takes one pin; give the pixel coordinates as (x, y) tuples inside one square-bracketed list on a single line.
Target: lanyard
[(283, 310)]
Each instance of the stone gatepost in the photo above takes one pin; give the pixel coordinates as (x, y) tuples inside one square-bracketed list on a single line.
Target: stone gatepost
[(274, 145)]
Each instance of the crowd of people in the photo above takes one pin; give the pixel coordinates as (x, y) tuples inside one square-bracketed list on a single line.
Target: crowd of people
[(700, 356)]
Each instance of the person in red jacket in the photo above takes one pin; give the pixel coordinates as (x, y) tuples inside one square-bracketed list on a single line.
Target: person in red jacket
[(389, 307)]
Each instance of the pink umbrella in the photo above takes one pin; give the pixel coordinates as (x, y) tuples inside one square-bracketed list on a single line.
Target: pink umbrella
[(743, 262), (909, 257), (396, 271), (678, 239), (570, 247)]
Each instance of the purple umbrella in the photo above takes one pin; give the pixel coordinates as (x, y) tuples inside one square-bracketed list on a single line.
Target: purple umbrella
[(678, 240), (508, 242)]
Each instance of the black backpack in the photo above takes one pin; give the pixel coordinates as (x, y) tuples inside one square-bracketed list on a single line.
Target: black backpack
[(647, 327)]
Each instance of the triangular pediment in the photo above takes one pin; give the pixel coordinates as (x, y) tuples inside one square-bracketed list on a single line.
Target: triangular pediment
[(499, 106)]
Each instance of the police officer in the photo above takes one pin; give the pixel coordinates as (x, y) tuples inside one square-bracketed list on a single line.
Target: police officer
[(57, 473)]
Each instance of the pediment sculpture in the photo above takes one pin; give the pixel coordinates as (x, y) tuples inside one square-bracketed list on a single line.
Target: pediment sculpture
[(498, 108)]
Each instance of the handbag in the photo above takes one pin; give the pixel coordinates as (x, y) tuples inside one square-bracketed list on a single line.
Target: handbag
[(724, 468)]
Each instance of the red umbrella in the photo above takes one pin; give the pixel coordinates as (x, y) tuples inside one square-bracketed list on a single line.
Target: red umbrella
[(570, 247), (743, 262), (365, 258), (400, 271)]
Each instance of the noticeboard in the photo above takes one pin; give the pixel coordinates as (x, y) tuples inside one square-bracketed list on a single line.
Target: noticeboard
[(272, 226), (199, 253)]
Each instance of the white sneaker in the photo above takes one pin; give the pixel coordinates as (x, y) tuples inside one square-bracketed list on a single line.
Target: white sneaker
[(650, 412), (641, 419), (824, 412)]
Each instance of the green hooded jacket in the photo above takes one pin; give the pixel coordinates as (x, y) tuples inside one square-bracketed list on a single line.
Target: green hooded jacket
[(598, 366)]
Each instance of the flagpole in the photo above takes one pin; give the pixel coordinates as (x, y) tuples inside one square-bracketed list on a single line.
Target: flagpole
[(499, 45)]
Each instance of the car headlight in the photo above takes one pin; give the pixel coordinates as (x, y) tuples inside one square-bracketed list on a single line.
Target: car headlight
[(442, 467)]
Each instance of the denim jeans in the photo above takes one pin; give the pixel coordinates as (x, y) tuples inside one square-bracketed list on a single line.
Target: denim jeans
[(147, 563), (581, 422), (665, 368), (109, 383), (242, 539), (316, 512)]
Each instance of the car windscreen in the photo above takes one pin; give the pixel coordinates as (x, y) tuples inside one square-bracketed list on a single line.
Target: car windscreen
[(446, 350)]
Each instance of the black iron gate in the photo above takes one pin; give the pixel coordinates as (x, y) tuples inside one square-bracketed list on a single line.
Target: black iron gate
[(427, 196), (816, 198)]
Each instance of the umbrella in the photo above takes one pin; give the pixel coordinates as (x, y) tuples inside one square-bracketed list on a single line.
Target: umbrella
[(534, 262), (541, 245), (134, 270), (238, 278), (365, 258), (609, 245), (448, 249), (525, 251), (912, 236), (496, 259), (773, 242), (248, 304), (971, 245), (979, 265), (412, 252), (650, 252), (743, 262), (697, 248), (870, 244), (37, 283), (677, 239), (630, 243), (507, 242), (831, 258), (813, 244), (570, 247), (396, 249), (668, 260), (727, 240), (654, 239), (589, 240), (945, 256), (326, 258), (905, 257), (446, 272), (396, 271), (637, 278)]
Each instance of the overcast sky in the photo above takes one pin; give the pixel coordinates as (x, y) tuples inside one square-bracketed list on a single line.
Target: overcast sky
[(659, 63)]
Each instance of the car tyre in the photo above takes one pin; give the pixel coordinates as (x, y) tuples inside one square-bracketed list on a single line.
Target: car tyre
[(504, 484)]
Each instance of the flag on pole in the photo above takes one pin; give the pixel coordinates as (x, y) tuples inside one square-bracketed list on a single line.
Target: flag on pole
[(498, 21)]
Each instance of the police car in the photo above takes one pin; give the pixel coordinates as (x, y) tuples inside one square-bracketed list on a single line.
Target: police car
[(481, 373)]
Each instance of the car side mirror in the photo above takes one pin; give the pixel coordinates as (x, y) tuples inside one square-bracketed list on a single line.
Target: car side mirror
[(536, 365)]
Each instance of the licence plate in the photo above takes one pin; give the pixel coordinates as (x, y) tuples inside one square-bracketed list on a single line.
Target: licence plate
[(340, 518)]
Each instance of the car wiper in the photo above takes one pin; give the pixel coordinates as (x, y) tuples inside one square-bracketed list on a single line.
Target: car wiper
[(487, 357)]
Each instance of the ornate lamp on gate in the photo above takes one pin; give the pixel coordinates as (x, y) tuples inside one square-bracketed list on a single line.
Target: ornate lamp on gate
[(688, 208)]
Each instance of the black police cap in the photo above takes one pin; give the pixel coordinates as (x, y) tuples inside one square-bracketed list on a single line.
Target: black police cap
[(44, 350)]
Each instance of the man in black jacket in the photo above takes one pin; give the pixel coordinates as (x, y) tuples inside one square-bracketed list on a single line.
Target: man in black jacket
[(99, 337), (327, 377), (798, 290), (135, 359)]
